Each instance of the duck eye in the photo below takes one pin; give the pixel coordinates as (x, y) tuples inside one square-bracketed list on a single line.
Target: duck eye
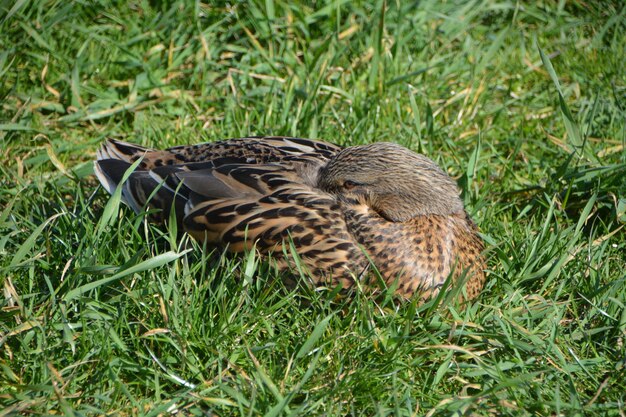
[(348, 184)]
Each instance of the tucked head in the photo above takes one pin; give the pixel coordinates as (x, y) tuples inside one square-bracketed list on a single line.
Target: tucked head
[(397, 183)]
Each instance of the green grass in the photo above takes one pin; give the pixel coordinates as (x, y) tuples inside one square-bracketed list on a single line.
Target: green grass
[(523, 102)]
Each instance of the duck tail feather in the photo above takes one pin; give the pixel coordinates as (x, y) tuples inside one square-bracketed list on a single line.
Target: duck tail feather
[(141, 190), (120, 150)]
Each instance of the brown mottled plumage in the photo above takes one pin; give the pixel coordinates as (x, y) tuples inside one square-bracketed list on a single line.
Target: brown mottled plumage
[(338, 206)]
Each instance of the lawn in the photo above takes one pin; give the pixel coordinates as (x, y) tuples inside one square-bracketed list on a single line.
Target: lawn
[(524, 103)]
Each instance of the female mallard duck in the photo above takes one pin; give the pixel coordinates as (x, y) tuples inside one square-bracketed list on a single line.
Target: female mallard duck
[(338, 206)]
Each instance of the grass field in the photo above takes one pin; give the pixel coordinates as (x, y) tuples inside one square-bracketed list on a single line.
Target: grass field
[(523, 102)]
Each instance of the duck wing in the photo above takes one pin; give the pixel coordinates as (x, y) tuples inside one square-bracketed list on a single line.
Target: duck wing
[(156, 177), (271, 217), (242, 193)]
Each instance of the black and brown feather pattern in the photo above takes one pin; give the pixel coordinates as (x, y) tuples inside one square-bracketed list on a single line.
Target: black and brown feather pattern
[(337, 207)]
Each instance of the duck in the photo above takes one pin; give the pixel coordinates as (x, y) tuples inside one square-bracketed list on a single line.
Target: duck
[(354, 215)]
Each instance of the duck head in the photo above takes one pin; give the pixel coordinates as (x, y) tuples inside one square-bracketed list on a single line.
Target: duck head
[(397, 183)]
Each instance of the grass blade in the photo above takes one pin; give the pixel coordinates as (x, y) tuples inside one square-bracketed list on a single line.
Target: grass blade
[(146, 265), (28, 245), (315, 335)]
